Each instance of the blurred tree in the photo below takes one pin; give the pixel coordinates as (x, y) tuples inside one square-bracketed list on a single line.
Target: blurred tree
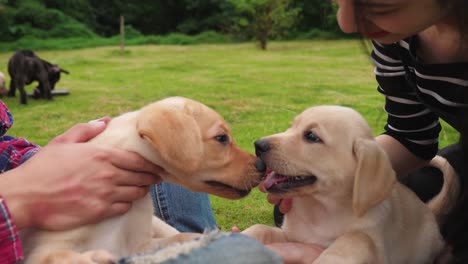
[(318, 14), (202, 15), (247, 19), (263, 19)]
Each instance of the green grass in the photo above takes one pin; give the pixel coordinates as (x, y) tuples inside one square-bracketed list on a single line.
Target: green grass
[(258, 92)]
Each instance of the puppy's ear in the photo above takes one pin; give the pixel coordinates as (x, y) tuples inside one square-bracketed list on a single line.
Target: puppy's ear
[(374, 178), (175, 135), (55, 68)]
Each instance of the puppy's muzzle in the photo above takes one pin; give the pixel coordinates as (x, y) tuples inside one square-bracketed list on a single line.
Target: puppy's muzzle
[(262, 146), (260, 165)]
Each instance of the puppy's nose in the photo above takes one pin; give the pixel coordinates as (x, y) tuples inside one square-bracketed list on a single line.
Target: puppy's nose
[(261, 146), (260, 165)]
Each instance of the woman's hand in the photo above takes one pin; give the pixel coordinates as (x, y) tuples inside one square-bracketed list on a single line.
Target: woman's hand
[(69, 182), (292, 252)]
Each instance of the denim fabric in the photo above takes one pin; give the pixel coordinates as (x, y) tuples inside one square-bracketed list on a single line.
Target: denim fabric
[(213, 248), (185, 210)]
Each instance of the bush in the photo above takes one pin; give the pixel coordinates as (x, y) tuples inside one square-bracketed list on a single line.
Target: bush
[(32, 19), (211, 37), (177, 39), (36, 15), (70, 30), (316, 33), (131, 32)]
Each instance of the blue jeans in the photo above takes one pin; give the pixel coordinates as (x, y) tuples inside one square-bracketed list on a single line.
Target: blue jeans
[(191, 212), (185, 210), (212, 248)]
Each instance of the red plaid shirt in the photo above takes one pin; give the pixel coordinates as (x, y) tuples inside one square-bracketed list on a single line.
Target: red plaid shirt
[(13, 151)]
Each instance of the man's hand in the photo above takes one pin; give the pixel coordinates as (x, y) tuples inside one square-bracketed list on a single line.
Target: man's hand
[(69, 182), (291, 252)]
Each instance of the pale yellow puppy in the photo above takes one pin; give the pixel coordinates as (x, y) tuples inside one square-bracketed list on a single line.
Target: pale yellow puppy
[(345, 194), (191, 142)]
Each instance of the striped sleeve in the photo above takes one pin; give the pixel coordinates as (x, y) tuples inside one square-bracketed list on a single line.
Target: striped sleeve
[(408, 121)]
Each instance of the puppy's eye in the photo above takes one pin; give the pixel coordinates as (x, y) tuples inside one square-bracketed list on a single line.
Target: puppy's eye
[(223, 139), (311, 137)]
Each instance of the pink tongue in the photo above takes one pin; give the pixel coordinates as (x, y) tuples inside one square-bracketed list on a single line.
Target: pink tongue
[(273, 178)]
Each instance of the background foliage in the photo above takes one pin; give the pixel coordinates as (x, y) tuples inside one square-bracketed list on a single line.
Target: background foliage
[(239, 19)]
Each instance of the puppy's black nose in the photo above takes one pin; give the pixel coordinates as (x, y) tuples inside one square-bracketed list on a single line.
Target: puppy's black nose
[(260, 165), (261, 146)]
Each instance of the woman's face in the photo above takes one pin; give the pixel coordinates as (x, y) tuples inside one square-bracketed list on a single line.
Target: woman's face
[(388, 21)]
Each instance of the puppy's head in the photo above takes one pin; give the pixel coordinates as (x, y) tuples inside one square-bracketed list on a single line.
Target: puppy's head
[(194, 144), (328, 151)]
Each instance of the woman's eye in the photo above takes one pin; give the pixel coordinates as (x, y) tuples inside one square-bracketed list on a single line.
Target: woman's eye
[(311, 137), (376, 8), (223, 138), (379, 12)]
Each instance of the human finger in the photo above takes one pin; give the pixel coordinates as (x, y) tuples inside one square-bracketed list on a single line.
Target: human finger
[(82, 132), (104, 119), (116, 209), (128, 160), (137, 179), (128, 193), (235, 229)]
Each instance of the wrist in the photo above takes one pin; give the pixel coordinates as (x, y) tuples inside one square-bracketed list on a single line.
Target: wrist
[(14, 192)]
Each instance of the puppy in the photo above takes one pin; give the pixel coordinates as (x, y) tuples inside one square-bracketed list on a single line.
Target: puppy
[(195, 147), (26, 67), (345, 194)]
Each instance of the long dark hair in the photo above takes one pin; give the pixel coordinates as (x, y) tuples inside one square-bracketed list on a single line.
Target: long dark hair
[(457, 9)]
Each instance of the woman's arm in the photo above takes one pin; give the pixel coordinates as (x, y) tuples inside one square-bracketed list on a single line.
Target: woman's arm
[(403, 161)]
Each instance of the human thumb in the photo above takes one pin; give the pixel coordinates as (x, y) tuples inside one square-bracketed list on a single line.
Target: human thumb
[(82, 132)]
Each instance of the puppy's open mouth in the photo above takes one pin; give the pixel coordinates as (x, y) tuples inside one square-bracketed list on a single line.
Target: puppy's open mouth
[(238, 192), (278, 183)]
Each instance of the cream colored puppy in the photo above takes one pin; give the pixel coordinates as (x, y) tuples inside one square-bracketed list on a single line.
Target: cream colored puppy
[(345, 194), (191, 142)]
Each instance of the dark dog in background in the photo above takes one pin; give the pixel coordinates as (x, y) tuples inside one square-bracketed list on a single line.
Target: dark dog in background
[(26, 67)]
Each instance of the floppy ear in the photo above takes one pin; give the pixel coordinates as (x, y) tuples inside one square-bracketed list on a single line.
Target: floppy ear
[(55, 68), (175, 135), (374, 178)]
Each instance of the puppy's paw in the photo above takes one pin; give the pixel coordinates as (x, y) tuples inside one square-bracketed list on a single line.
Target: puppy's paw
[(72, 257), (177, 239), (99, 257)]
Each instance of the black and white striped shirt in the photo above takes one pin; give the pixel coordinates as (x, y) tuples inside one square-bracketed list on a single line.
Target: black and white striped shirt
[(417, 95)]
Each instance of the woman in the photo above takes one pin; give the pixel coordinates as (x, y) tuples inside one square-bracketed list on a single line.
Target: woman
[(420, 50)]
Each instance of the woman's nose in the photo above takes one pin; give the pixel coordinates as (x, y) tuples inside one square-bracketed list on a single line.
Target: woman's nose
[(346, 16)]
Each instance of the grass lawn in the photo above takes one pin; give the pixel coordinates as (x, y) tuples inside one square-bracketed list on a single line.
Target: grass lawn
[(258, 93)]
